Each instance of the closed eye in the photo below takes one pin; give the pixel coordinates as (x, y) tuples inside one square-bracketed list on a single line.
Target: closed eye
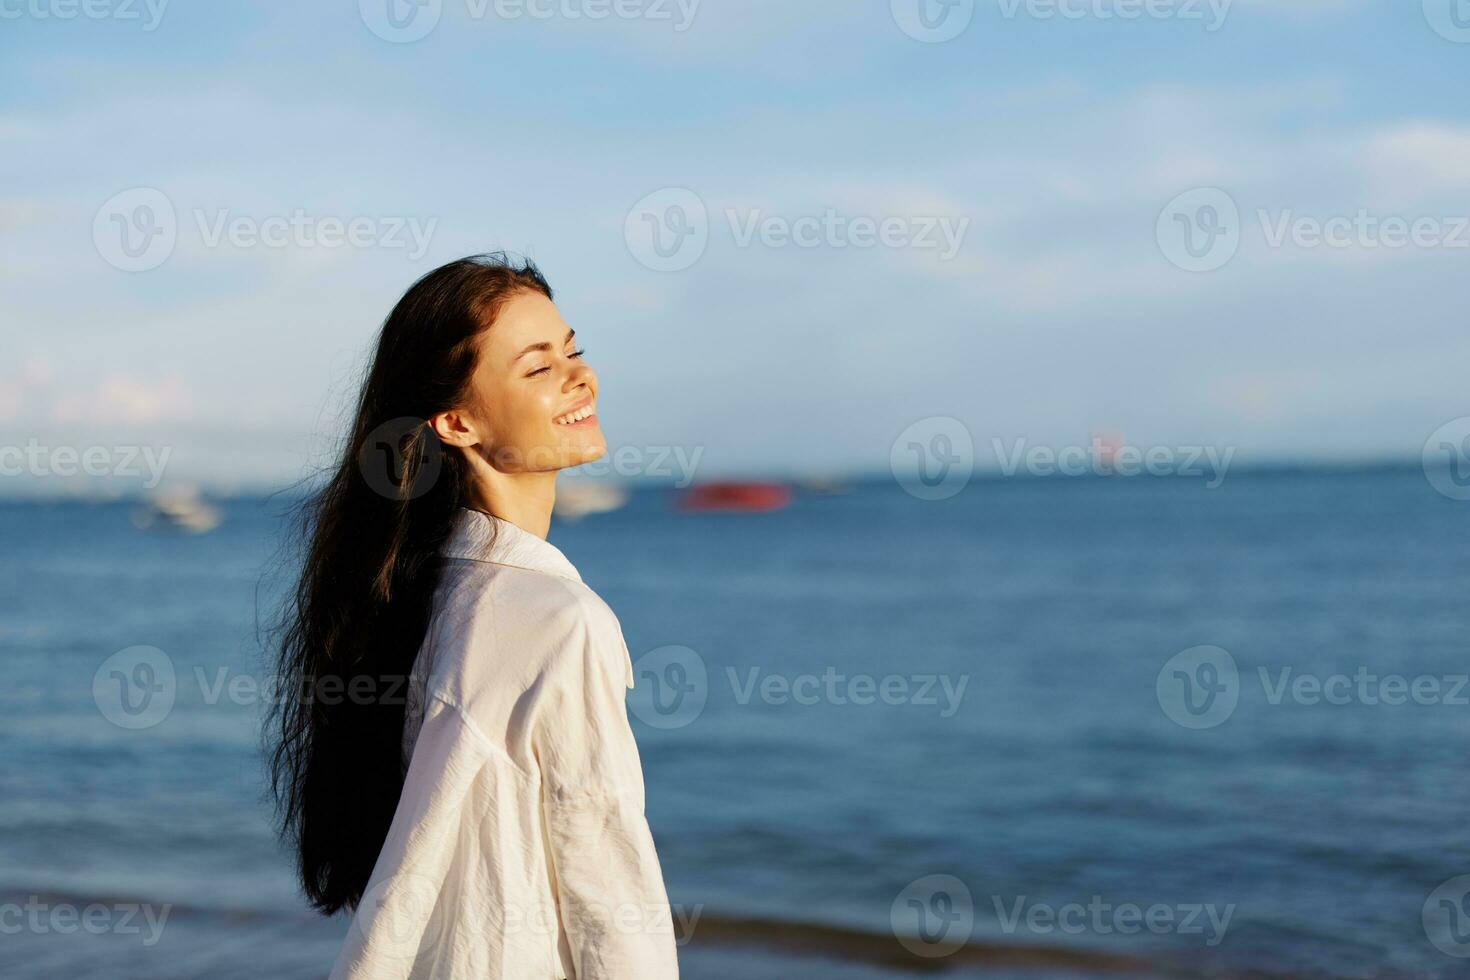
[(542, 370)]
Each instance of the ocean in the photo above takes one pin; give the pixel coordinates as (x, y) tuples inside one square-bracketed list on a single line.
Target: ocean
[(1061, 728)]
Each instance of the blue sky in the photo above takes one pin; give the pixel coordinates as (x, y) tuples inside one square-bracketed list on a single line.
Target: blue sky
[(1054, 142)]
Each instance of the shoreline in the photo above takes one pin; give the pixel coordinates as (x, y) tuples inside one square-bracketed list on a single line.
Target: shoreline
[(720, 945)]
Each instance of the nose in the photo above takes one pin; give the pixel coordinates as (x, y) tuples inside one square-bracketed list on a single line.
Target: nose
[(580, 376)]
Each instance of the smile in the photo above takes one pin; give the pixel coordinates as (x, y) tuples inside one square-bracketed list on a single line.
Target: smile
[(580, 416)]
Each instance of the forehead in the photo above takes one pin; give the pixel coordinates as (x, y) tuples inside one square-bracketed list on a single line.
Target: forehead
[(526, 318)]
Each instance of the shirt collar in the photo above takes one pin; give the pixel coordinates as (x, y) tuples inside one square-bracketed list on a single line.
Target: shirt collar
[(478, 536)]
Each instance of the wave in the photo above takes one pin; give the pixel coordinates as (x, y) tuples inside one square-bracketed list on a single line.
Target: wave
[(884, 950)]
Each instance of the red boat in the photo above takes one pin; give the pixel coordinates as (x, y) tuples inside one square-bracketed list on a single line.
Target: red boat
[(735, 495)]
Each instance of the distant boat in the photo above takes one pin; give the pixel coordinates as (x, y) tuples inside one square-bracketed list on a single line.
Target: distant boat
[(576, 500), (735, 495), (179, 510)]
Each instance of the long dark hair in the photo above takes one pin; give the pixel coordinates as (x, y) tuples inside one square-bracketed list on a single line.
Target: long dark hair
[(357, 616)]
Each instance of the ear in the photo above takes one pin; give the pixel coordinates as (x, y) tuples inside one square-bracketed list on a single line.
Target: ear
[(453, 429)]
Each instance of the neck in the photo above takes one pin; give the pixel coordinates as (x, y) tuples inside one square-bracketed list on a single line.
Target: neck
[(524, 499)]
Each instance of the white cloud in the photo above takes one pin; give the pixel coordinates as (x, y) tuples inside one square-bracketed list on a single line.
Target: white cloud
[(1419, 160), (120, 399)]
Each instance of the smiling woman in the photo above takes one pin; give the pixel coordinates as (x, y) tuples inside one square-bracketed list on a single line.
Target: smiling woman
[(476, 794)]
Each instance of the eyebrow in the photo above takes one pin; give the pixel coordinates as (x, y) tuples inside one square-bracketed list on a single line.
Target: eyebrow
[(544, 346)]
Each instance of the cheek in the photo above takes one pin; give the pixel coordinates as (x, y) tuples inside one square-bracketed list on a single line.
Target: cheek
[(521, 412), (538, 402)]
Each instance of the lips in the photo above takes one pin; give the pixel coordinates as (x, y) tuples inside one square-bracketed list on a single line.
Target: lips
[(581, 413)]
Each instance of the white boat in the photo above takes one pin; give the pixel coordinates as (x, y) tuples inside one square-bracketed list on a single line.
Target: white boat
[(577, 499), (177, 510)]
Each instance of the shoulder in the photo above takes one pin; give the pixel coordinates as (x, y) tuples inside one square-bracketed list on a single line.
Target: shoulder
[(524, 603), (517, 627)]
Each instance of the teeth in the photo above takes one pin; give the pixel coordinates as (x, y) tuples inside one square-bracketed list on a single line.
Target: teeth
[(576, 416)]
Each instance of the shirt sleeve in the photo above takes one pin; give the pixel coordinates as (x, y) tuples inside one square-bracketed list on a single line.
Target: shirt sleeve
[(406, 922), (610, 891)]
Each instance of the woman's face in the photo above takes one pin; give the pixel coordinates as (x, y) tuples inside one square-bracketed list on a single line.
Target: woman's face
[(532, 398)]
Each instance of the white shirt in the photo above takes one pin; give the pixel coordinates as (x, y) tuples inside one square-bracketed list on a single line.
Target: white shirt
[(519, 848)]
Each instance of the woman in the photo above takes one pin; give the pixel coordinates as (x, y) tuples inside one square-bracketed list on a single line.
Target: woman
[(458, 768)]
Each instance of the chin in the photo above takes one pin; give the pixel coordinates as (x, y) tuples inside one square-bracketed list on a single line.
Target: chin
[(576, 448), (594, 449)]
